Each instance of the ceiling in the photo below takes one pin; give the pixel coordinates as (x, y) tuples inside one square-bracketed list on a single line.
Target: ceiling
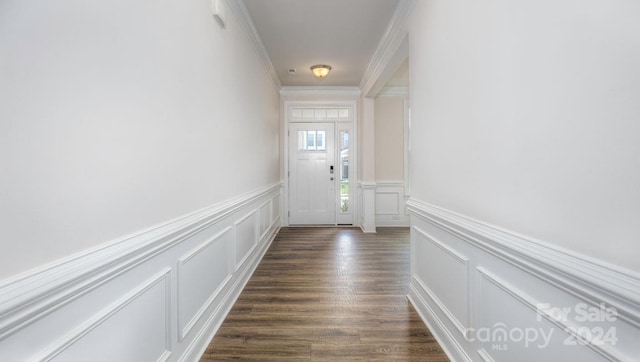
[(341, 33)]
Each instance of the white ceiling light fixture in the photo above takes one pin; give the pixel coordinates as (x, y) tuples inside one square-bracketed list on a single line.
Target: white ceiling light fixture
[(320, 70)]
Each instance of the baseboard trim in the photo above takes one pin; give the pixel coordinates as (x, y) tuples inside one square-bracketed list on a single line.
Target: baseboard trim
[(436, 326), (200, 343)]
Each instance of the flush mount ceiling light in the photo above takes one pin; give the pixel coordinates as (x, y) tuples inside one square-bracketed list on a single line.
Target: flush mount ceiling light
[(320, 70)]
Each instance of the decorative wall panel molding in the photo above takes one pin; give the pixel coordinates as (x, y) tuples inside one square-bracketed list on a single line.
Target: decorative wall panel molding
[(150, 301), (265, 217), (443, 274), (246, 231), (198, 290), (275, 206), (494, 293), (391, 209), (178, 279), (576, 307)]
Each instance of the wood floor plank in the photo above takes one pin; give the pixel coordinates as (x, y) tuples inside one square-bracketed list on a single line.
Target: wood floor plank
[(378, 352), (328, 294)]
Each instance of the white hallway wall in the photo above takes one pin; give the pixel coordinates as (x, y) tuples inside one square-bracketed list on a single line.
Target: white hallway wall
[(525, 168), (534, 126), (116, 120), (389, 161), (117, 117), (389, 138)]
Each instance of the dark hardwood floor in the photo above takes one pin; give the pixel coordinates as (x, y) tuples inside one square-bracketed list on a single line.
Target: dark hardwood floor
[(328, 294)]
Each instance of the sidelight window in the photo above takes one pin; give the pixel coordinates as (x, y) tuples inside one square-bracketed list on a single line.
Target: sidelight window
[(344, 171)]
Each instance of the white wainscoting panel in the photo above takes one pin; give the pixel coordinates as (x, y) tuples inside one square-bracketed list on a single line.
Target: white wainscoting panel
[(265, 217), (387, 203), (275, 208), (246, 236), (197, 290), (443, 273), (141, 319), (508, 325), (160, 294), (526, 300), (391, 209)]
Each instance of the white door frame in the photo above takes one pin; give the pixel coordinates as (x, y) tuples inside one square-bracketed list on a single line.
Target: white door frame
[(353, 166)]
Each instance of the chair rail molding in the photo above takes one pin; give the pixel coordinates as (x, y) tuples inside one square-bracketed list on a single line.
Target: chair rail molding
[(513, 281), (147, 281)]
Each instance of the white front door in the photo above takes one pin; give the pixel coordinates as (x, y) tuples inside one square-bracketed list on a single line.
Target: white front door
[(312, 174)]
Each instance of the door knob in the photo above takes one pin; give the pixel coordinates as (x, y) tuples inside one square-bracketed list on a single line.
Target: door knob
[(331, 178)]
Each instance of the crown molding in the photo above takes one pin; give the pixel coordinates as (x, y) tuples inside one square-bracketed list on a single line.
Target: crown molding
[(319, 90), (241, 14), (389, 44)]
